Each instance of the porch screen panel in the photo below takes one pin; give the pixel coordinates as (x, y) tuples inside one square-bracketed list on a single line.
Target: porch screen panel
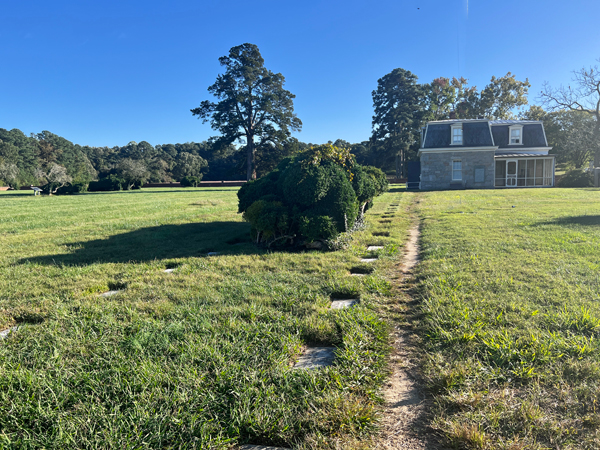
[(521, 169), (548, 166), (539, 172), (530, 174), (500, 173)]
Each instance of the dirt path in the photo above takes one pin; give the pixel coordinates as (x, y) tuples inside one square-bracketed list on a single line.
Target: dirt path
[(404, 424)]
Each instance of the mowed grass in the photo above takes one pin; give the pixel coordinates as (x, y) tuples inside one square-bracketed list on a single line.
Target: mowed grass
[(198, 358), (510, 288)]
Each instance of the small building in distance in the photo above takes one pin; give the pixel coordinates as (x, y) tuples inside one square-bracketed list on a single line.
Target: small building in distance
[(484, 154)]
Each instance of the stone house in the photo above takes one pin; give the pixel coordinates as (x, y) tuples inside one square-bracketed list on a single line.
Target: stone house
[(484, 154)]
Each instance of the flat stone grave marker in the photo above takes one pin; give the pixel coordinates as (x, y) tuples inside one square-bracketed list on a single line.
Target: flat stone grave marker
[(169, 270), (368, 260), (315, 358), (4, 334), (109, 293), (372, 248), (343, 303), (261, 447)]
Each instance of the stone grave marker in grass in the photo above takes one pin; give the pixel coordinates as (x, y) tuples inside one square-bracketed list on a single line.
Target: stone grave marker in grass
[(344, 303), (109, 293), (315, 358), (5, 333), (372, 248), (368, 260), (169, 270)]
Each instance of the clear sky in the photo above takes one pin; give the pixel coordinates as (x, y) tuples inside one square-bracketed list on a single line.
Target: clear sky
[(110, 72)]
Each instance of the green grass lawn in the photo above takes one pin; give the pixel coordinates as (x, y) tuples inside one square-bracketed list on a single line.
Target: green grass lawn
[(198, 358), (510, 288)]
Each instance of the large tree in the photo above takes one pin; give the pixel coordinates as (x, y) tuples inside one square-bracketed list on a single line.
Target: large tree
[(584, 96), (252, 104), (399, 110)]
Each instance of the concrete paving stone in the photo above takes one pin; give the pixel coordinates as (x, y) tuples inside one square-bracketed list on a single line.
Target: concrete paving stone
[(109, 293), (368, 260), (5, 333), (261, 447), (316, 358), (343, 303), (372, 248)]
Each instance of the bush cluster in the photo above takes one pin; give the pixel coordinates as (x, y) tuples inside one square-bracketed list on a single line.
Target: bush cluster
[(314, 196), (576, 178), (55, 188), (191, 181), (113, 183)]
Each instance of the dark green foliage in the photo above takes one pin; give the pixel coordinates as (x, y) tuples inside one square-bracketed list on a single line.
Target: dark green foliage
[(72, 188), (576, 178), (315, 226), (310, 197), (256, 189), (340, 203), (252, 103), (191, 181), (110, 183), (269, 219)]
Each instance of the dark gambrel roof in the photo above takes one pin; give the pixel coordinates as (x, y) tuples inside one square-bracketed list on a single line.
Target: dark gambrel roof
[(437, 135), (533, 135), (475, 134)]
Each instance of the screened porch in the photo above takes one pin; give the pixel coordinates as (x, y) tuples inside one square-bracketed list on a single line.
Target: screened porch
[(535, 171)]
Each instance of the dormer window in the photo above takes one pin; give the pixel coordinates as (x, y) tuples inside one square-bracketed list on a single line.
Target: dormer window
[(457, 135), (515, 135)]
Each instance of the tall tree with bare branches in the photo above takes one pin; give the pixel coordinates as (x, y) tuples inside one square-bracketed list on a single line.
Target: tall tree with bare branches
[(583, 96)]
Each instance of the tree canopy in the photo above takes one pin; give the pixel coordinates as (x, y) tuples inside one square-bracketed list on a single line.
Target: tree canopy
[(584, 96), (252, 104)]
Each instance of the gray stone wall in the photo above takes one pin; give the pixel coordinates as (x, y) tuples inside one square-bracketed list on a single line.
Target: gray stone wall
[(436, 170)]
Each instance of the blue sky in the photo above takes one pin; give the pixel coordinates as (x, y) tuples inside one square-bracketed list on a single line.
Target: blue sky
[(110, 72)]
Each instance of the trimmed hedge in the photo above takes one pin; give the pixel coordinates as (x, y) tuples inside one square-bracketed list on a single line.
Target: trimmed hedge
[(313, 196), (576, 178)]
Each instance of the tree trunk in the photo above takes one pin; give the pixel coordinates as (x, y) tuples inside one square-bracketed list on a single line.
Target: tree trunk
[(250, 171)]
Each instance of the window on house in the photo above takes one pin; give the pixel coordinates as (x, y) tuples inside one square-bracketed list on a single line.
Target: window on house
[(456, 170), (457, 137), (516, 135)]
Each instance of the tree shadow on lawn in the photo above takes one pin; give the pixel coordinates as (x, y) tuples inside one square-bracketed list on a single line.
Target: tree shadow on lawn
[(155, 243), (589, 221)]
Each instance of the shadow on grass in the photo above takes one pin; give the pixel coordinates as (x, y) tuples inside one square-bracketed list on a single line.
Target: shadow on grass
[(161, 242), (588, 221), (397, 189)]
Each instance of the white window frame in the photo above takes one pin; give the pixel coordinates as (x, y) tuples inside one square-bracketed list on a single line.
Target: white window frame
[(510, 130), (456, 127), (454, 171)]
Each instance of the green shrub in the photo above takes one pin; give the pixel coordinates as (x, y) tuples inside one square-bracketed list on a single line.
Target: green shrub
[(191, 181), (315, 226), (576, 178), (110, 183), (254, 190), (269, 220), (315, 196), (72, 188)]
